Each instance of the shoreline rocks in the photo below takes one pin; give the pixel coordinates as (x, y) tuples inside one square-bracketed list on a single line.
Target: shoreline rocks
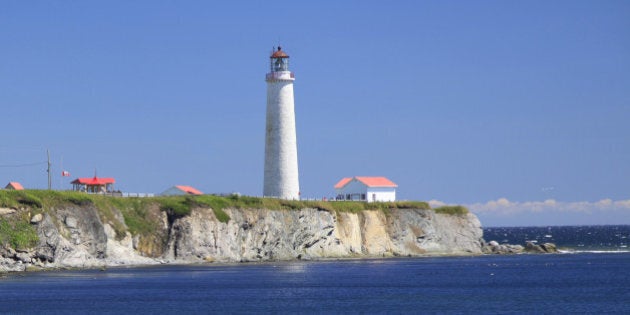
[(493, 247), (542, 248)]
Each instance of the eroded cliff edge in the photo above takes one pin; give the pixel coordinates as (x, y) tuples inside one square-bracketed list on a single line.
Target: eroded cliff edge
[(255, 235), (82, 236)]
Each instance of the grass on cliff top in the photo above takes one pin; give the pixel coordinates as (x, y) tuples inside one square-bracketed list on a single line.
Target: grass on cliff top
[(246, 202), (182, 205), (38, 199), (453, 210)]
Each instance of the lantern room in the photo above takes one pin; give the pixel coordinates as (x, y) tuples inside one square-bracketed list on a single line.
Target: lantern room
[(279, 61)]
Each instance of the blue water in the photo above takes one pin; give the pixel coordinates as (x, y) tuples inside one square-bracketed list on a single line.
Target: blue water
[(566, 283), (572, 238)]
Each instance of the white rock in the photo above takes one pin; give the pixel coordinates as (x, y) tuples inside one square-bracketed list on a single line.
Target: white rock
[(37, 218), (6, 211), (71, 222)]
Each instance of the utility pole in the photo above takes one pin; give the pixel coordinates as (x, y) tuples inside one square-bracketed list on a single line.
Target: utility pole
[(48, 170)]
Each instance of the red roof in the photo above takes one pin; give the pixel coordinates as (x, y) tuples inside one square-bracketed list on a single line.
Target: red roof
[(94, 181), (376, 181), (367, 181), (15, 185), (189, 190), (279, 54), (343, 182)]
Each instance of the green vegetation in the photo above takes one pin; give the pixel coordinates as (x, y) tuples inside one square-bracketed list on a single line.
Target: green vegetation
[(18, 233), (38, 199), (135, 215), (221, 215), (182, 205), (19, 198), (453, 210), (177, 206), (246, 202)]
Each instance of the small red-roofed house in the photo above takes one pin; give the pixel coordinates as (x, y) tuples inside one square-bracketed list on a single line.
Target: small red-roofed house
[(94, 185), (179, 190), (14, 186), (365, 188)]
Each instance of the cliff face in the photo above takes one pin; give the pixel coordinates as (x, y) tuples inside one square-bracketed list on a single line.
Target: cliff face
[(255, 235), (76, 237)]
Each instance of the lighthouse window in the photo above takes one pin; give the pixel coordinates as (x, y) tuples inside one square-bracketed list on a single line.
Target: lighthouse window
[(280, 64)]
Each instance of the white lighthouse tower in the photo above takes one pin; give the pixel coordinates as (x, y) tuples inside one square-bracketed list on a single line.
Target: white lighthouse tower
[(281, 161)]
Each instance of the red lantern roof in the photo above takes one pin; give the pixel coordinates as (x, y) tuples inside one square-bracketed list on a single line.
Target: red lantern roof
[(279, 53)]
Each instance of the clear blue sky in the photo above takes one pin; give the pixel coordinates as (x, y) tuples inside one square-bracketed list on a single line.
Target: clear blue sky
[(457, 101)]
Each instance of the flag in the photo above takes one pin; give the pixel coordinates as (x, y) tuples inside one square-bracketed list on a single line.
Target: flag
[(65, 174)]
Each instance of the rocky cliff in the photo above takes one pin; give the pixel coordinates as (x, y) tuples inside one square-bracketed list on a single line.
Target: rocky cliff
[(77, 236)]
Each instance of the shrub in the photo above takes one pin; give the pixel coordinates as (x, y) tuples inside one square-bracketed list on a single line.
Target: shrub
[(7, 199), (19, 234), (137, 223), (213, 202), (217, 204), (291, 204), (175, 206), (451, 210), (321, 205), (79, 199), (28, 199), (221, 215), (349, 206), (412, 205)]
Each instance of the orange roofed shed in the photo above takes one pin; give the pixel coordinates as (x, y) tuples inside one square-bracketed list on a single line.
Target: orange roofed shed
[(189, 190), (181, 190), (94, 185), (14, 186)]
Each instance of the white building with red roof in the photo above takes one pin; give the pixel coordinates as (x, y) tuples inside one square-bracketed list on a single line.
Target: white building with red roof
[(179, 190), (94, 185), (365, 188)]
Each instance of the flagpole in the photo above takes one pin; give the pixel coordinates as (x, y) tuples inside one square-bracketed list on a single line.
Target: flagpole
[(64, 173), (48, 170), (62, 170)]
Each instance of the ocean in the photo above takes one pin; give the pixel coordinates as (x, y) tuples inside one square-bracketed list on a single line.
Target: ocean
[(591, 276), (595, 238)]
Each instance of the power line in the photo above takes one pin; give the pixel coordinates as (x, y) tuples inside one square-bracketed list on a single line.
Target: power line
[(23, 165)]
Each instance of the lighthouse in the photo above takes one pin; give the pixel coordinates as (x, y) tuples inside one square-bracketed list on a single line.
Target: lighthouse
[(281, 161)]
